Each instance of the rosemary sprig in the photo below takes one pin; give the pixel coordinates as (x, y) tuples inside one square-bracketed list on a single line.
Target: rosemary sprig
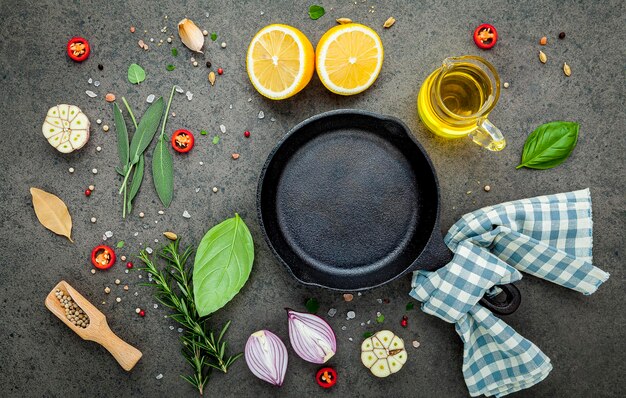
[(174, 290)]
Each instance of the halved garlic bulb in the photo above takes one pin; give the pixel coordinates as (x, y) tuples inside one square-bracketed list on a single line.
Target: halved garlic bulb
[(66, 128), (383, 353)]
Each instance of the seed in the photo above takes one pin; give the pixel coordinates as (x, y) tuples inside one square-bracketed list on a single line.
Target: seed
[(132, 29), (487, 188), (246, 134), (71, 169), (129, 265), (543, 41), (118, 299), (93, 271), (170, 235), (117, 281), (142, 313), (141, 44), (110, 97), (348, 297), (107, 290), (566, 69), (215, 189), (141, 214), (205, 32), (223, 44), (138, 310), (208, 64), (91, 187), (389, 22), (235, 156), (506, 84), (562, 35), (98, 121), (105, 128), (100, 66), (343, 21), (93, 219), (220, 71), (195, 63), (543, 57), (98, 148), (95, 171), (87, 192), (125, 287), (415, 343), (212, 78), (123, 258)]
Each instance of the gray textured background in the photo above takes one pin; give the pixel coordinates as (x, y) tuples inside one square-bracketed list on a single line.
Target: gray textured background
[(39, 356)]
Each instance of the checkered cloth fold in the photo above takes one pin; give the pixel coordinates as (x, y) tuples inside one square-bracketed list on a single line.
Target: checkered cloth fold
[(549, 237)]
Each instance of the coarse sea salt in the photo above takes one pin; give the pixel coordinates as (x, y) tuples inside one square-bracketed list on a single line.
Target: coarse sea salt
[(96, 83), (108, 234), (91, 93), (332, 312), (261, 115), (189, 95), (222, 128), (179, 90), (186, 214), (150, 98)]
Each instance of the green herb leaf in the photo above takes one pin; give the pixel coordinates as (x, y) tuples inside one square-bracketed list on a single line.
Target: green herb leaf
[(312, 305), (367, 335), (222, 265), (409, 306), (380, 318), (122, 136), (213, 36), (163, 172), (120, 244), (174, 52), (316, 12), (170, 67), (203, 132), (136, 74), (549, 145), (144, 134), (136, 182), (216, 140)]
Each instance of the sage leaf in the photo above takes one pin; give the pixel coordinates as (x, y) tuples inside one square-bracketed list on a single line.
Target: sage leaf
[(122, 137), (316, 12), (136, 74), (222, 266), (145, 130), (136, 182), (549, 145), (52, 212), (163, 172)]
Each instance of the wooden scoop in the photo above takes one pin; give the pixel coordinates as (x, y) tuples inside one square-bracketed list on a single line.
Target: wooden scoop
[(98, 330)]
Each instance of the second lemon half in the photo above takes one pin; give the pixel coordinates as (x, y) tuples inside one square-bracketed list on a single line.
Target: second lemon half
[(348, 58), (280, 61)]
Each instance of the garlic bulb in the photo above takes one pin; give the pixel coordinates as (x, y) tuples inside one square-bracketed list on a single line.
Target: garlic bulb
[(383, 353), (66, 128), (190, 35)]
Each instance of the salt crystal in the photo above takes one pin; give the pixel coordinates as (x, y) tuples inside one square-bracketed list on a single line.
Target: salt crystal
[(91, 93), (359, 294), (249, 99), (380, 301), (156, 306), (261, 115), (108, 234), (230, 106), (369, 321), (71, 169), (343, 328), (159, 376), (149, 250), (96, 83), (136, 234), (351, 315), (222, 128), (350, 338), (197, 190), (186, 214), (104, 237), (161, 212), (150, 98), (137, 293), (156, 241), (201, 163), (272, 119), (179, 89), (98, 148), (98, 121), (180, 330), (189, 95), (90, 80), (172, 327), (332, 312), (126, 271), (378, 314)]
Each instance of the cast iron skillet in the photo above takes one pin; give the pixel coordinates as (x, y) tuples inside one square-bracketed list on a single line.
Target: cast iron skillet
[(349, 200)]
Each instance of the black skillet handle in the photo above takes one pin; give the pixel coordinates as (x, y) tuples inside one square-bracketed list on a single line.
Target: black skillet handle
[(436, 255)]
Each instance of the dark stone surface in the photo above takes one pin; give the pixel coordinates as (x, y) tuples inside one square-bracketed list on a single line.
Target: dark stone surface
[(584, 336)]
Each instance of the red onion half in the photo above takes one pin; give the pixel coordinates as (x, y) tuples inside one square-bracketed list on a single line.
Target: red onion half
[(311, 337), (266, 356)]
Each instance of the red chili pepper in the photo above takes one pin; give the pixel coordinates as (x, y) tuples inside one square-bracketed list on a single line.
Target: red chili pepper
[(182, 141), (326, 377), (78, 49), (102, 257), (485, 36)]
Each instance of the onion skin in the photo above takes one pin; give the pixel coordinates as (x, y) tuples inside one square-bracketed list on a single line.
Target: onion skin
[(266, 356), (311, 337)]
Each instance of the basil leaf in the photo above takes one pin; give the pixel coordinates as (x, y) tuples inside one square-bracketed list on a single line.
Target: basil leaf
[(213, 36), (316, 12), (174, 52), (163, 172), (146, 130), (222, 265), (549, 145), (136, 74), (122, 136), (170, 67), (136, 182)]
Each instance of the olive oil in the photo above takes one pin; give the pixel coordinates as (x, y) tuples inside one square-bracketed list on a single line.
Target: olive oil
[(454, 101)]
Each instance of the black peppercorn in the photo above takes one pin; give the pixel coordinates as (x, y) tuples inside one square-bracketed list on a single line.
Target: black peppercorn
[(100, 66), (562, 35), (208, 64)]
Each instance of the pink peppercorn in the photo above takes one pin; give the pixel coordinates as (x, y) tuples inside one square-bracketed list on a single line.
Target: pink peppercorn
[(87, 192), (142, 313), (246, 134), (129, 265), (220, 71)]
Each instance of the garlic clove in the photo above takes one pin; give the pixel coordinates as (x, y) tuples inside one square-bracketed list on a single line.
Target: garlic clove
[(401, 356), (380, 353), (190, 35), (394, 363), (80, 122), (381, 368), (78, 138), (396, 343), (368, 359), (367, 344), (385, 337)]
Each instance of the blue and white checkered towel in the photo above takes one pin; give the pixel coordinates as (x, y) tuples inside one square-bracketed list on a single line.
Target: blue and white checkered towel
[(547, 236)]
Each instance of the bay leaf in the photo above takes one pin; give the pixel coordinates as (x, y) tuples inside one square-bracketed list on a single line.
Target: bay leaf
[(52, 212), (222, 265), (163, 171)]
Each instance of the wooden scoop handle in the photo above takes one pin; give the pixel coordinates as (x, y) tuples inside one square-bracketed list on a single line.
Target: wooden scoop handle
[(125, 354)]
